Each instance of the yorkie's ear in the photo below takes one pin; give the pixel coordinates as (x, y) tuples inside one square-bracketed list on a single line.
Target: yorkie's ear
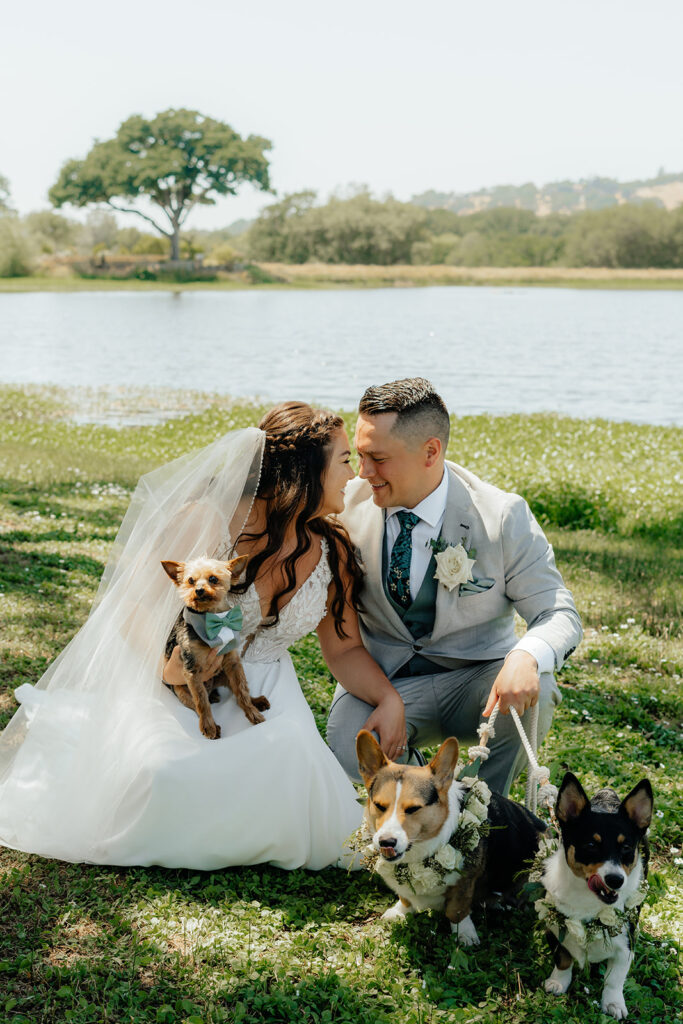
[(236, 566), (175, 570)]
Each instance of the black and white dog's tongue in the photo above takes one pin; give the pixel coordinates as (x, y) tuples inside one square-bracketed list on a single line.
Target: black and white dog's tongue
[(597, 885)]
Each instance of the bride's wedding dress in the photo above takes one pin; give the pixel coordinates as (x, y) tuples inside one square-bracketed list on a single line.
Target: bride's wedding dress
[(123, 776)]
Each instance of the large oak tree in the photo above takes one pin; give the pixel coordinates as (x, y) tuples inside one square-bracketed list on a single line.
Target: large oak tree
[(177, 160)]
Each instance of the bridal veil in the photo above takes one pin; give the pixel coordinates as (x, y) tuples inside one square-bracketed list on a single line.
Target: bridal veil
[(72, 751)]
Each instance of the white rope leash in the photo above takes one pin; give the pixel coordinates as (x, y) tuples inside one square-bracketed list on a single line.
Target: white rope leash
[(539, 788)]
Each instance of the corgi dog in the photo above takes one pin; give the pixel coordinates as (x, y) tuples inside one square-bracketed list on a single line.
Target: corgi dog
[(440, 843), (595, 883)]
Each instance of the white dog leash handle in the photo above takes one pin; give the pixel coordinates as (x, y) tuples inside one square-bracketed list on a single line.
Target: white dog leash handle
[(538, 784)]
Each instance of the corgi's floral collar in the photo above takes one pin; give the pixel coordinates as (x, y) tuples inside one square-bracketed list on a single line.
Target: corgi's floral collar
[(607, 924), (444, 866)]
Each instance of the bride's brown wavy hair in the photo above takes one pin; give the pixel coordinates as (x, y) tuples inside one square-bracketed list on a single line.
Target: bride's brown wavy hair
[(296, 454)]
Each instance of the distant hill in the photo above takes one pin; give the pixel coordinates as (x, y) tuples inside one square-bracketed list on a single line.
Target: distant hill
[(665, 190)]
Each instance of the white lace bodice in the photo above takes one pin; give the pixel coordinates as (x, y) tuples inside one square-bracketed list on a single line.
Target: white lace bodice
[(300, 615)]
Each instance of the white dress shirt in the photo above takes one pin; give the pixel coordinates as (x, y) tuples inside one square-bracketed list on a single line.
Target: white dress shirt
[(431, 511)]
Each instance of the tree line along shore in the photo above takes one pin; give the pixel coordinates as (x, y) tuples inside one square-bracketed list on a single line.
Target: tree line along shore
[(358, 241)]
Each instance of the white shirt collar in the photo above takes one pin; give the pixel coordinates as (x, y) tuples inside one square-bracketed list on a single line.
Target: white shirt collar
[(431, 508)]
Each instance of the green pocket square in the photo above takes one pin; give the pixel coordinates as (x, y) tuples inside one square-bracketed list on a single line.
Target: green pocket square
[(477, 586)]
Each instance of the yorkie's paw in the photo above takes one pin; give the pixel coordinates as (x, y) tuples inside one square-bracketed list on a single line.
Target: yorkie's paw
[(262, 703), (214, 697), (255, 717), (209, 728)]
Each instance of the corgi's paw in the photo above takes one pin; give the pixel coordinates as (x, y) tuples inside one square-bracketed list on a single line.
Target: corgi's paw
[(465, 932), (558, 982), (397, 913), (613, 1004)]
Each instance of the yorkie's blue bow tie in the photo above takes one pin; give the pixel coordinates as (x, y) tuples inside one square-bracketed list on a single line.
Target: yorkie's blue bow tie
[(217, 629), (215, 621)]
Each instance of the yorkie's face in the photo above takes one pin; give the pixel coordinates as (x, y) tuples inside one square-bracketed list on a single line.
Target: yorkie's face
[(204, 582)]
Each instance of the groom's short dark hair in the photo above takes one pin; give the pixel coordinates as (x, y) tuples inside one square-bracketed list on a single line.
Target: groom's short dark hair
[(421, 412)]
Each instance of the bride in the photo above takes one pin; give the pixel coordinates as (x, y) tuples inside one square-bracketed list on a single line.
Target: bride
[(102, 763)]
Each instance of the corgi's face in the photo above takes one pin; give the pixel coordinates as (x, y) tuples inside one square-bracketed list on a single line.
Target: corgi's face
[(406, 804), (601, 836), (204, 582)]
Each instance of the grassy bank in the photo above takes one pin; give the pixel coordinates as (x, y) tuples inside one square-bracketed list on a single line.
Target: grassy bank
[(92, 944), (327, 275)]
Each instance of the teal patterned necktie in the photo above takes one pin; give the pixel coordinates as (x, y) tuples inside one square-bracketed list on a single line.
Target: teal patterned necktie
[(398, 579)]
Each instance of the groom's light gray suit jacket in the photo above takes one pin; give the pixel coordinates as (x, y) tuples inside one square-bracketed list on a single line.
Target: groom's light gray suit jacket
[(514, 563)]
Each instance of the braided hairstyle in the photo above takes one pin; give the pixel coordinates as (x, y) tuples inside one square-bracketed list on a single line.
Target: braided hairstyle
[(295, 457)]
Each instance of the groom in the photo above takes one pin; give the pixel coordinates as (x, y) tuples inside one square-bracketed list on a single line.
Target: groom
[(447, 561)]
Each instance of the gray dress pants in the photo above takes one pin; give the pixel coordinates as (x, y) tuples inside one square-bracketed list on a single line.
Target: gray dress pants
[(446, 704)]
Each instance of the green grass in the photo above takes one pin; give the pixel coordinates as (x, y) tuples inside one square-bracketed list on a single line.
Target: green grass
[(91, 944)]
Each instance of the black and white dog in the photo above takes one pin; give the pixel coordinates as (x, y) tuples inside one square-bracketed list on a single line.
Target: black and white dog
[(595, 883)]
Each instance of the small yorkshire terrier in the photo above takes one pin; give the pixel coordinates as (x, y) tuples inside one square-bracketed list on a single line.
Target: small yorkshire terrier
[(205, 623)]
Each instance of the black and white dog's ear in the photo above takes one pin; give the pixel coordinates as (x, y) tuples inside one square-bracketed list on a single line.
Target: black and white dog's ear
[(571, 800), (639, 804)]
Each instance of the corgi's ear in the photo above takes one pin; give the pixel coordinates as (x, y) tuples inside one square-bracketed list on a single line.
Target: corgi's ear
[(175, 570), (236, 566), (370, 756), (443, 763), (638, 805), (571, 800)]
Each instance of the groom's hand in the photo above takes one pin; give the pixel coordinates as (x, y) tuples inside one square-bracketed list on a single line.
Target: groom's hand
[(516, 686), (388, 720), (174, 673)]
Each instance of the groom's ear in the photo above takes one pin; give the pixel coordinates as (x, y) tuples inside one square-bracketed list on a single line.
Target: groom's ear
[(370, 756)]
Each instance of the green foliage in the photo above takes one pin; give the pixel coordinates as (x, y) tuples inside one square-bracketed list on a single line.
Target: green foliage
[(5, 205), (176, 160), (17, 248), (221, 255), (52, 232), (364, 230), (150, 245), (355, 230), (626, 236)]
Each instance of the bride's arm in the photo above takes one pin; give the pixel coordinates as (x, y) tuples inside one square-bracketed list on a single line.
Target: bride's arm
[(352, 666)]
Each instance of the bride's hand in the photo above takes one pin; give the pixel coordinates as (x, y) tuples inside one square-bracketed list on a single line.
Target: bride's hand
[(174, 673), (388, 720)]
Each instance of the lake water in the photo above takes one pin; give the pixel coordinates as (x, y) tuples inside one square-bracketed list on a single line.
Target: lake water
[(617, 354)]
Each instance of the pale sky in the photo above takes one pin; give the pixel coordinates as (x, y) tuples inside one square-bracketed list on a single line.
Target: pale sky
[(401, 96)]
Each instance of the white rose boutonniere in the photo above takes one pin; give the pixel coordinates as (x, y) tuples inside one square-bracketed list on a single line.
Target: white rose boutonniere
[(453, 566)]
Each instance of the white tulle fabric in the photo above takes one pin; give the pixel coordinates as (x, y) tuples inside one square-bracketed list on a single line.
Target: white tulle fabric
[(103, 764)]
